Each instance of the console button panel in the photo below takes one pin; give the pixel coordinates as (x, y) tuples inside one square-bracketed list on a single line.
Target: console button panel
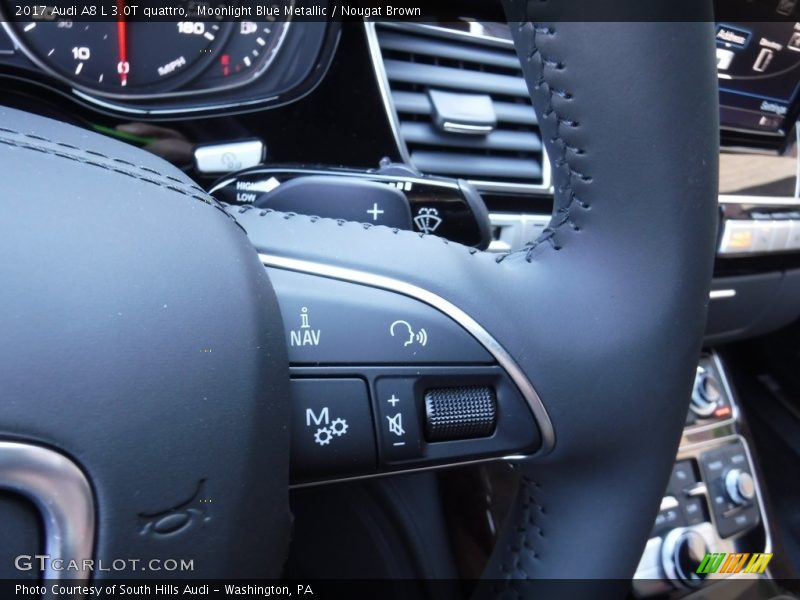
[(731, 517), (712, 497)]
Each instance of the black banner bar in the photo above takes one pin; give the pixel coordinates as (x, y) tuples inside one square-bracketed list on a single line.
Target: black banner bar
[(398, 10)]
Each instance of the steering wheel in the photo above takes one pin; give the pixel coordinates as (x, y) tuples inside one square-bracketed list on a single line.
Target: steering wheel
[(145, 405)]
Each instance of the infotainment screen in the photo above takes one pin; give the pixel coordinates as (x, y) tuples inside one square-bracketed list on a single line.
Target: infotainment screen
[(758, 66)]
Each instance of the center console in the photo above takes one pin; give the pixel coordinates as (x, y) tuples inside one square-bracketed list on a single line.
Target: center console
[(712, 523)]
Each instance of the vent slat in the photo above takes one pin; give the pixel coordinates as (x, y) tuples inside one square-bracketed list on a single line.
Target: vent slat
[(416, 103), (502, 140), (412, 103), (470, 165), (459, 79), (450, 50)]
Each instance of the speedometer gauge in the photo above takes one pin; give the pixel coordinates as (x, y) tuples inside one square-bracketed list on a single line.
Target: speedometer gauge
[(120, 57), (129, 59)]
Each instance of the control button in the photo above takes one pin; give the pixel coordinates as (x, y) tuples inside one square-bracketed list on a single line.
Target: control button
[(744, 519), (706, 394), (668, 502), (737, 520), (724, 59), (667, 519), (720, 501), (460, 413), (740, 486), (794, 42), (793, 243), (334, 322), (737, 238), (332, 431), (763, 60), (698, 489), (762, 236), (781, 230), (683, 477), (398, 419), (722, 411), (694, 510), (230, 156), (737, 458), (682, 552)]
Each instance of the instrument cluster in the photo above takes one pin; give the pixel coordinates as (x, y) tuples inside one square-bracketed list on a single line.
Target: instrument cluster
[(194, 63)]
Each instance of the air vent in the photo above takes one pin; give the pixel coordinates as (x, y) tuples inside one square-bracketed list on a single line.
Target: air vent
[(420, 60)]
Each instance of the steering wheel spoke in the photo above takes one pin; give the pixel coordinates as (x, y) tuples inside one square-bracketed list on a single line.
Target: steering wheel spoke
[(389, 377)]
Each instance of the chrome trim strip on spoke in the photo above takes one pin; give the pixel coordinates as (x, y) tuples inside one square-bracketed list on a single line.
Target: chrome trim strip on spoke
[(61, 492), (502, 357)]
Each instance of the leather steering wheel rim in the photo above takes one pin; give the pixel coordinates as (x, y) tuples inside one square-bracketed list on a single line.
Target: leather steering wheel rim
[(627, 259)]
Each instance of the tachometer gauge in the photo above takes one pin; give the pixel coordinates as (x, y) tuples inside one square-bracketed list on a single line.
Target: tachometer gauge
[(121, 58)]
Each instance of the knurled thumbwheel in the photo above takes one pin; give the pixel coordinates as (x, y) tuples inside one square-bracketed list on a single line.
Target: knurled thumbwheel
[(459, 413)]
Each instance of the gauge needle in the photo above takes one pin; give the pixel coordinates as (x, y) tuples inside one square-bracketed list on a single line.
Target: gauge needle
[(122, 43)]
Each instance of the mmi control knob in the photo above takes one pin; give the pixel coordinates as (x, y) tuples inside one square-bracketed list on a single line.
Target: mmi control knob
[(682, 553), (740, 486), (706, 394)]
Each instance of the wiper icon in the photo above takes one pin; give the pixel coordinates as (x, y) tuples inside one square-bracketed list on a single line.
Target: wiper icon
[(427, 220)]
